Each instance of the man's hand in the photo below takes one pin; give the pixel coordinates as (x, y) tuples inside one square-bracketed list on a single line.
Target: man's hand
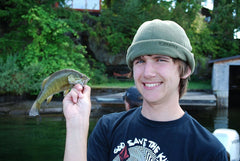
[(76, 109), (77, 102)]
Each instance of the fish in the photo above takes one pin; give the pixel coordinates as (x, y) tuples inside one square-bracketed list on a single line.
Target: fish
[(62, 80)]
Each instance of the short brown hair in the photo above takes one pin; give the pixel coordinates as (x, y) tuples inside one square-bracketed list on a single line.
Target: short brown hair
[(182, 69)]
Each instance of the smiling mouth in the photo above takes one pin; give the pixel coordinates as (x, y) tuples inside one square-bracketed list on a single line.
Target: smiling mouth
[(150, 85)]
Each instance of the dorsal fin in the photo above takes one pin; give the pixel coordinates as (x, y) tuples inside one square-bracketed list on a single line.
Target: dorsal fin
[(44, 82)]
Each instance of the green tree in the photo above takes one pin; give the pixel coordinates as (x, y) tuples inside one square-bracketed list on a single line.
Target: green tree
[(12, 24), (119, 21), (51, 46), (46, 41), (225, 19)]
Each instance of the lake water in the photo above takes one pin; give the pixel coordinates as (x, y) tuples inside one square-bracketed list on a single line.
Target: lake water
[(38, 139)]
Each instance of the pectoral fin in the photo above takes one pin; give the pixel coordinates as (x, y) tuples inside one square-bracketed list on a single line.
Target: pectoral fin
[(49, 99)]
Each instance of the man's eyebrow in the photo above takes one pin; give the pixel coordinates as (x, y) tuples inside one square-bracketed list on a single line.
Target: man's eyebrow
[(161, 56), (137, 58), (142, 56)]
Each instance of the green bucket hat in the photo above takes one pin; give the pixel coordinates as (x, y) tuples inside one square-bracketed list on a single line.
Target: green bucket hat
[(161, 37)]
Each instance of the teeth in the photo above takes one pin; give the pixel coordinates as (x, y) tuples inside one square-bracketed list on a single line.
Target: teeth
[(152, 85)]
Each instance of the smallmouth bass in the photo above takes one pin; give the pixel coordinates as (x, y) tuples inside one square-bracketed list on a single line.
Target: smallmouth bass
[(59, 81)]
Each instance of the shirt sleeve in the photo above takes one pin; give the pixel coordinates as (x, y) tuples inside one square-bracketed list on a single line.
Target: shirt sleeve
[(222, 156)]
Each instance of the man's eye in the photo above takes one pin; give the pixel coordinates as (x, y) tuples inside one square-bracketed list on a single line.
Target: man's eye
[(138, 61), (162, 60)]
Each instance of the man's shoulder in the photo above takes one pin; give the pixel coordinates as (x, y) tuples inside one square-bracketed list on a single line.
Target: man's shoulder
[(202, 136)]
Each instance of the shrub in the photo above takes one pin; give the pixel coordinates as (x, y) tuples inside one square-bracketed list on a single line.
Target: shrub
[(16, 81)]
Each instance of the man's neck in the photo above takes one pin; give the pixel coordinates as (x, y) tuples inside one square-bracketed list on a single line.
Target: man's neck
[(162, 112)]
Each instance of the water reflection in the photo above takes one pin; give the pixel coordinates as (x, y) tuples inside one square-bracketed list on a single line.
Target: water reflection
[(31, 139), (221, 119), (218, 118), (23, 138)]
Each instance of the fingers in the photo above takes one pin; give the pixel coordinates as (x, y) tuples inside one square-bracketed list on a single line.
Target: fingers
[(77, 102), (78, 91), (78, 87)]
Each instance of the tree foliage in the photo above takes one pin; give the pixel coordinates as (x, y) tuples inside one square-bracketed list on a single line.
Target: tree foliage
[(51, 46), (38, 38), (44, 40), (225, 20)]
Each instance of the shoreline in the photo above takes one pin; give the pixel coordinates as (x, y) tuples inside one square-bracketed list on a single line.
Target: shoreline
[(103, 101)]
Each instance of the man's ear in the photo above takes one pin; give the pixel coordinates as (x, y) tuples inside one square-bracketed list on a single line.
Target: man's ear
[(127, 106), (187, 74)]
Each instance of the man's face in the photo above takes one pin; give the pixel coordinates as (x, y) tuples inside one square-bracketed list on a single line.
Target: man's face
[(157, 78)]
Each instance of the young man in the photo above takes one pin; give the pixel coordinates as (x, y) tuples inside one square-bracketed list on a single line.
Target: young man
[(161, 62)]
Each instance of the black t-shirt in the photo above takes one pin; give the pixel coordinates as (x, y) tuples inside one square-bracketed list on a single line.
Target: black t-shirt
[(130, 136)]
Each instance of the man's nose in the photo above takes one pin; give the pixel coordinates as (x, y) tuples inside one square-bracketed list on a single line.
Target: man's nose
[(149, 70)]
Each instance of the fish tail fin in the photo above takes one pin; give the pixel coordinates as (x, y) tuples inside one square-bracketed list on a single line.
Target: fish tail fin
[(34, 109)]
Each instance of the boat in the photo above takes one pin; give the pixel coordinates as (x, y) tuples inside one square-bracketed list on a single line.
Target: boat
[(230, 139)]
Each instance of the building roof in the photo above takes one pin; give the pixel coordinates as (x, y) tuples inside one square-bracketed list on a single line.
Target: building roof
[(224, 59)]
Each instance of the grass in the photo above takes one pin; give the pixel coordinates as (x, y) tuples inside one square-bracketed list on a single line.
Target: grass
[(197, 85), (114, 83)]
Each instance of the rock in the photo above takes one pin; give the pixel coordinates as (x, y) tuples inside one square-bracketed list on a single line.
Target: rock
[(101, 54)]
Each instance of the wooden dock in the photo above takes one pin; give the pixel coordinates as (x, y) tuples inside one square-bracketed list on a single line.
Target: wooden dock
[(190, 100), (103, 102)]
